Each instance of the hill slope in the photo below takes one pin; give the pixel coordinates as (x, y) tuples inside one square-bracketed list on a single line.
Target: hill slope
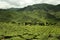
[(45, 13)]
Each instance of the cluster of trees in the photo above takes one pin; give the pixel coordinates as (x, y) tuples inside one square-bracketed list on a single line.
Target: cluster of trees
[(35, 23)]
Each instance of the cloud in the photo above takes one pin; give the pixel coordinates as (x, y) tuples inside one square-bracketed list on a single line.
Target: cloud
[(23, 3), (12, 2), (55, 2)]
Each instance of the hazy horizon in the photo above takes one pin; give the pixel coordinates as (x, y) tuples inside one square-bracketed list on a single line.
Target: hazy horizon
[(22, 3)]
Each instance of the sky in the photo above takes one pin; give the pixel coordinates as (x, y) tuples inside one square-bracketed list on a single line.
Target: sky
[(22, 3)]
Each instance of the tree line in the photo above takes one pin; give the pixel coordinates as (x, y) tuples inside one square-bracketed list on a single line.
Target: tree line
[(35, 23)]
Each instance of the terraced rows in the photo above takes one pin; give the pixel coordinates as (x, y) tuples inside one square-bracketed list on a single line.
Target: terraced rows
[(9, 31)]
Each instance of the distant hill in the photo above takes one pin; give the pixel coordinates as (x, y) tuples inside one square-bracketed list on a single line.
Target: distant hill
[(39, 6), (34, 13)]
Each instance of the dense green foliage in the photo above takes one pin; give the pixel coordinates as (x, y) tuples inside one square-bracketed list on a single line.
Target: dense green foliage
[(9, 31), (35, 22)]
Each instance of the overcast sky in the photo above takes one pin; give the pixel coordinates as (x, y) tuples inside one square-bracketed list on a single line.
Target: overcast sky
[(23, 3)]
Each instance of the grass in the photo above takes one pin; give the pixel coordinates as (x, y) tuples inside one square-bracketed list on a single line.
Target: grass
[(9, 31)]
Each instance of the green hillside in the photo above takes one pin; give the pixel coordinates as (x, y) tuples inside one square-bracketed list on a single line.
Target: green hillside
[(45, 13), (34, 22)]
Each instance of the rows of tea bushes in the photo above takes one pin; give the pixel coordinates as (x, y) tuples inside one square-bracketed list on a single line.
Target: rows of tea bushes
[(9, 31)]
